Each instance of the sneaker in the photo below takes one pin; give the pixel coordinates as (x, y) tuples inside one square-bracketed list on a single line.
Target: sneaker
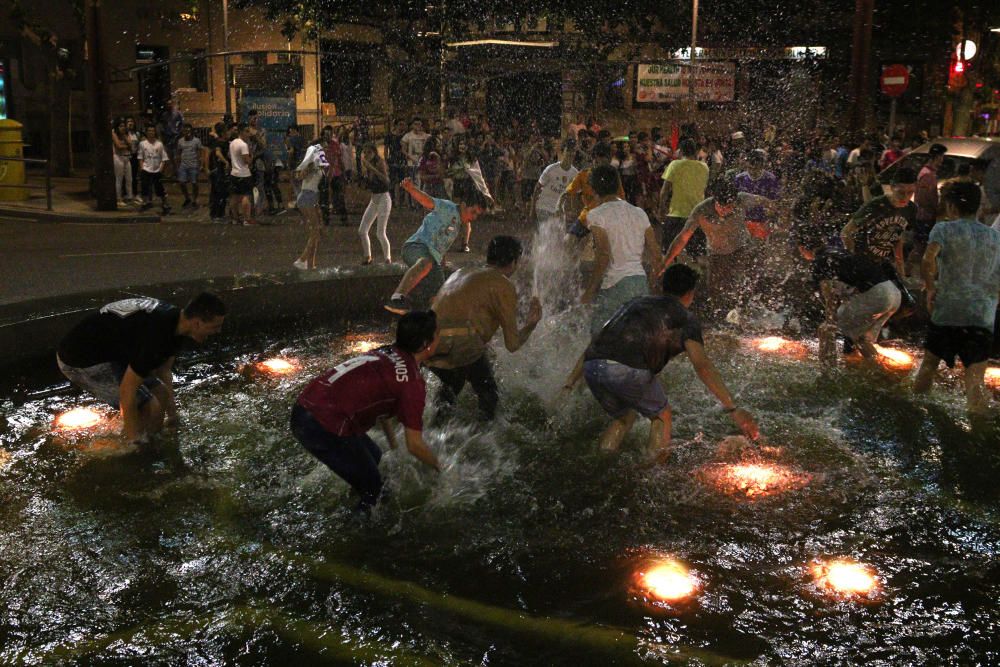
[(218, 221), (399, 305), (121, 203), (466, 248), (249, 223), (301, 264)]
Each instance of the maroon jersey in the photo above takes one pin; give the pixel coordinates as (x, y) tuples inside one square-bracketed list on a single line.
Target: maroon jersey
[(348, 399)]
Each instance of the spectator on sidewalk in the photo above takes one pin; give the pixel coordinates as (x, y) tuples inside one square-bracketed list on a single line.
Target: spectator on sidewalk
[(312, 172), (295, 146), (172, 123), (219, 168), (123, 164), (189, 154), (152, 157), (133, 142), (375, 179), (240, 178), (396, 157)]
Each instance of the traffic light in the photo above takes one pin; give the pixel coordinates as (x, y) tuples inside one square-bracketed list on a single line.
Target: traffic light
[(956, 73)]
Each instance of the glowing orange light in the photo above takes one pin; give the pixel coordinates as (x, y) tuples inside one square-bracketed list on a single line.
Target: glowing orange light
[(993, 377), (78, 418), (278, 366), (5, 458), (667, 580), (362, 346), (753, 480), (771, 343), (845, 577), (895, 359)]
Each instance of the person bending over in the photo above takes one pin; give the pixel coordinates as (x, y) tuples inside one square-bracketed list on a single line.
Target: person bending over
[(471, 306), (123, 354), (424, 251), (334, 413), (624, 358)]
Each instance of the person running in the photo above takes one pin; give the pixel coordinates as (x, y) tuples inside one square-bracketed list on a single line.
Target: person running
[(625, 246), (470, 307), (961, 273), (311, 172), (124, 353), (375, 178), (424, 251), (623, 360), (551, 185), (240, 177), (189, 151), (333, 414), (684, 183), (873, 299), (732, 252), (876, 229), (152, 157)]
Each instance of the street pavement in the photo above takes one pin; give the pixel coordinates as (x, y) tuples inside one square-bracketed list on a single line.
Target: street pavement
[(44, 259)]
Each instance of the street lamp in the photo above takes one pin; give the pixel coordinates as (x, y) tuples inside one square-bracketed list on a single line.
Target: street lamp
[(225, 50)]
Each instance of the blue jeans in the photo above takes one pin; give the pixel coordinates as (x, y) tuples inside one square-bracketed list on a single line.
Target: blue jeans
[(620, 388), (354, 458), (427, 288)]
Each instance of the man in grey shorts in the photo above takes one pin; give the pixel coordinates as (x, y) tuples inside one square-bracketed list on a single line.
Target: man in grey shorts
[(123, 354), (624, 358)]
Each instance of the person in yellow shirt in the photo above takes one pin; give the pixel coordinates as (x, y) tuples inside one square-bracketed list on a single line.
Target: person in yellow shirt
[(470, 307), (582, 194), (684, 183)]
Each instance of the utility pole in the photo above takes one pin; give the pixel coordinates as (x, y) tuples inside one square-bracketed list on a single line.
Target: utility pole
[(692, 71), (861, 51), (100, 114), (225, 49)]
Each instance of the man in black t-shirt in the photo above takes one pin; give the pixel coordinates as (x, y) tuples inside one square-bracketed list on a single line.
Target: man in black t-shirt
[(874, 296), (124, 353), (621, 364)]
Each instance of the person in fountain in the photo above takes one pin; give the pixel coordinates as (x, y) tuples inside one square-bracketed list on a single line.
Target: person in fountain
[(624, 358), (961, 273), (334, 413), (424, 251), (471, 306), (551, 185), (124, 354), (875, 297)]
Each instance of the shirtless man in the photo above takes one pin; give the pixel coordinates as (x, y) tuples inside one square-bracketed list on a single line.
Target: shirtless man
[(471, 306), (624, 358)]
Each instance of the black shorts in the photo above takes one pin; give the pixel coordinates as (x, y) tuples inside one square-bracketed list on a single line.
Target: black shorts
[(241, 185), (970, 344), (922, 230)]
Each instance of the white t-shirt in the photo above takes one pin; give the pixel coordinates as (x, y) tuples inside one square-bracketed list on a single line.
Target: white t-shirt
[(312, 167), (347, 156), (241, 165), (552, 183), (152, 156), (413, 146), (626, 227)]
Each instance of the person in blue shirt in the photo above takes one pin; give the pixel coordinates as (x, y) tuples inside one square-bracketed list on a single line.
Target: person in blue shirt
[(424, 251), (961, 272)]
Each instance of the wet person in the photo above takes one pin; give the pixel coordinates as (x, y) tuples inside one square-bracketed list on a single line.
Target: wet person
[(375, 179), (424, 251), (580, 194), (625, 247), (470, 307), (189, 156), (758, 181), (624, 358), (684, 183), (552, 184), (733, 255), (926, 199), (311, 173), (152, 158), (876, 229), (961, 273), (871, 297), (124, 353), (334, 413)]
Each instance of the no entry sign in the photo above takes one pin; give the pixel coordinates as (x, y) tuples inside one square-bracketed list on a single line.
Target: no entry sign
[(894, 80)]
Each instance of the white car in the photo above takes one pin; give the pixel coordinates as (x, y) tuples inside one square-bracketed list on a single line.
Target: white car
[(961, 150)]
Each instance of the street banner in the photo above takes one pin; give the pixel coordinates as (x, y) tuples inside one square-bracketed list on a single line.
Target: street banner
[(657, 84), (275, 114)]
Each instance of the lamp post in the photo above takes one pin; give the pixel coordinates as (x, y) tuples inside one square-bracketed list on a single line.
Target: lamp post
[(692, 93), (225, 50)]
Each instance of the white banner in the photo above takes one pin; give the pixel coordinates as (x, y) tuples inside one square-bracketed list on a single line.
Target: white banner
[(714, 82)]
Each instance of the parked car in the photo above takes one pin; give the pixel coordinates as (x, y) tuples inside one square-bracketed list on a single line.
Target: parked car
[(960, 150)]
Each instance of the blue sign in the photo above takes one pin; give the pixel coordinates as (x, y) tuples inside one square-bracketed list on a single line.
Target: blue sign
[(274, 115)]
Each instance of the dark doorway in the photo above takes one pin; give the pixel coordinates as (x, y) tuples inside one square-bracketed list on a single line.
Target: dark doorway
[(526, 97), (154, 82)]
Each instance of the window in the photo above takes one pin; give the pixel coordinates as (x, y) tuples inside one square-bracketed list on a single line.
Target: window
[(614, 88), (346, 74), (198, 71)]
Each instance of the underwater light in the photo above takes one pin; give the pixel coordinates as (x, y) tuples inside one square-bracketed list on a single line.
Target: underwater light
[(894, 358), (278, 366), (78, 418), (992, 377), (667, 580), (780, 345), (754, 480), (845, 577), (364, 345)]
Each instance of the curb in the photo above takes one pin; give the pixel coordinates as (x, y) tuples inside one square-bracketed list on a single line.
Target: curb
[(56, 216)]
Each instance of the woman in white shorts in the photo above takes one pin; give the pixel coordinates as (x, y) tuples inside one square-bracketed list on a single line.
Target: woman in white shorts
[(375, 178), (310, 172)]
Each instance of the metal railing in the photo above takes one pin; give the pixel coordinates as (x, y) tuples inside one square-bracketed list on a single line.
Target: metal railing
[(48, 178)]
